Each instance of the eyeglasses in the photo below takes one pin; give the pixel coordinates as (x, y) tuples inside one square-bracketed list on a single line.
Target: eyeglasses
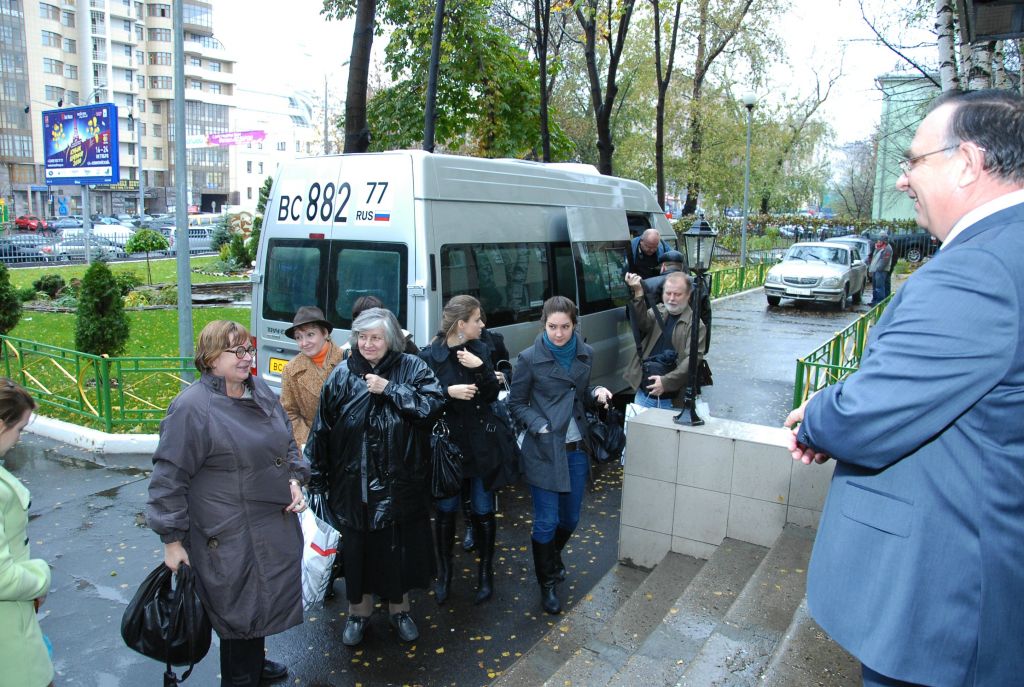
[(240, 351), (908, 163)]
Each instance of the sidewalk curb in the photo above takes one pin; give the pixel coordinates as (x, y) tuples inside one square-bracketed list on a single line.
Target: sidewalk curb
[(92, 439)]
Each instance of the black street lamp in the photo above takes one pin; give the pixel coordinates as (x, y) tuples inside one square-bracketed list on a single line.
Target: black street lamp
[(699, 241)]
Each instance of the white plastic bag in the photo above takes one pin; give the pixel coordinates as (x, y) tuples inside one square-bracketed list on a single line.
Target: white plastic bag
[(320, 546)]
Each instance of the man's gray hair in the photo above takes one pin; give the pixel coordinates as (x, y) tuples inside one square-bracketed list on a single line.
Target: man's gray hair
[(680, 277), (383, 319), (650, 234)]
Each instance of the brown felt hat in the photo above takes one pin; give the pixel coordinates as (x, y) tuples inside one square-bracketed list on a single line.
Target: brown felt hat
[(308, 314)]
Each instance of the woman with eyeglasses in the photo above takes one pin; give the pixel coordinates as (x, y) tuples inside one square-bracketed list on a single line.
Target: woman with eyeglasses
[(224, 496), (369, 450)]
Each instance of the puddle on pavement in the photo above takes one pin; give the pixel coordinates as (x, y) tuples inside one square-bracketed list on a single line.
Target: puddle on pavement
[(100, 591)]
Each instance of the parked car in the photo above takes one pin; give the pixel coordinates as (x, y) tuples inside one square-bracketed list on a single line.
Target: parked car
[(200, 239), (818, 271), (21, 248), (912, 246), (116, 234), (66, 223), (31, 222), (74, 249), (864, 245)]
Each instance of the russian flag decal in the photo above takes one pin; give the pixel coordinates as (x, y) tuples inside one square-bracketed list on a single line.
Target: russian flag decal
[(381, 217)]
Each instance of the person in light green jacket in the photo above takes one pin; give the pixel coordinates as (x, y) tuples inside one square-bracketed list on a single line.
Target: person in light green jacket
[(24, 581)]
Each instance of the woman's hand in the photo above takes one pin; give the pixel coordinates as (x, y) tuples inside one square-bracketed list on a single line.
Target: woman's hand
[(500, 376), (467, 359), (375, 384), (174, 555), (298, 503), (602, 395), (463, 392)]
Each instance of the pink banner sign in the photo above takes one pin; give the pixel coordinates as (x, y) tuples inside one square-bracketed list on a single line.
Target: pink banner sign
[(233, 138)]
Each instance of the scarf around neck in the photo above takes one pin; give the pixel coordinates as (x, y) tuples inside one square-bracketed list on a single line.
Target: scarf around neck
[(564, 354), (320, 357)]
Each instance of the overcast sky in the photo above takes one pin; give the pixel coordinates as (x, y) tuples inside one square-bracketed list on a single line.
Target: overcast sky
[(292, 44)]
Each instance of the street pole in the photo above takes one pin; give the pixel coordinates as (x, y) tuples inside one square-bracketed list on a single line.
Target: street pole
[(86, 222), (435, 56), (327, 144), (185, 348), (749, 100)]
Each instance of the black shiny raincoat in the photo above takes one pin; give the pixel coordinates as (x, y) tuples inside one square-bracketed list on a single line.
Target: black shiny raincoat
[(374, 449)]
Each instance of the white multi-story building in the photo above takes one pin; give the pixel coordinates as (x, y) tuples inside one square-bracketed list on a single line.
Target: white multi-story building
[(57, 53)]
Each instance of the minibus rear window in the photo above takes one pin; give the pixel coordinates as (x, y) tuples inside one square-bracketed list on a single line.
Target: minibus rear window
[(366, 269), (295, 277)]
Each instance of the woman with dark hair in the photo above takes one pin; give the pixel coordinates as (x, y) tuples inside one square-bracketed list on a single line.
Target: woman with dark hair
[(462, 364), (224, 494), (550, 395), (369, 449), (24, 581)]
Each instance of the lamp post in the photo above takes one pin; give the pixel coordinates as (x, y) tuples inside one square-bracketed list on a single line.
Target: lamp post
[(699, 240), (749, 101)]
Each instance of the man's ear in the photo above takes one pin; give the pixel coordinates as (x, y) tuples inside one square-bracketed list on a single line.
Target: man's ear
[(974, 157)]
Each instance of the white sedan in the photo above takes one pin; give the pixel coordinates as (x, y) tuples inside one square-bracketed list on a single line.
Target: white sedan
[(815, 271)]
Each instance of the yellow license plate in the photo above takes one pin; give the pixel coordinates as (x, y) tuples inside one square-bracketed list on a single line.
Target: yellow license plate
[(277, 365)]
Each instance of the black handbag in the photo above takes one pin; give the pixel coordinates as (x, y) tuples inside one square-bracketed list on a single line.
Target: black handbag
[(446, 463), (607, 436), (166, 624)]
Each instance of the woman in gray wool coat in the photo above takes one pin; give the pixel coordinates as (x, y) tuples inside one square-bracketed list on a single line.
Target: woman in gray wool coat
[(226, 487), (550, 394)]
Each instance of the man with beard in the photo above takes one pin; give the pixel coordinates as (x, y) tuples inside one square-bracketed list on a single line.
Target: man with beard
[(660, 374)]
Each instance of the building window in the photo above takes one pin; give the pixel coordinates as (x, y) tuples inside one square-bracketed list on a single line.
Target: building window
[(71, 97), (131, 149), (51, 66), (70, 71), (248, 193), (158, 130), (215, 88), (142, 81), (129, 100), (127, 51), (160, 35), (248, 167), (140, 57), (54, 93), (47, 11), (195, 61), (260, 167), (213, 66), (70, 46), (298, 147), (142, 128), (158, 153), (282, 146), (51, 39), (128, 76), (138, 32), (142, 103), (157, 107), (309, 148), (67, 19), (160, 11), (195, 85), (142, 151), (126, 24), (164, 58), (163, 82)]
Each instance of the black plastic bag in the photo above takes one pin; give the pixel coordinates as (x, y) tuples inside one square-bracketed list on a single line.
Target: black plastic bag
[(165, 624), (446, 463), (607, 436)]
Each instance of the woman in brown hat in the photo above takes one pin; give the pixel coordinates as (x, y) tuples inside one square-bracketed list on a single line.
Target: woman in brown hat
[(304, 376)]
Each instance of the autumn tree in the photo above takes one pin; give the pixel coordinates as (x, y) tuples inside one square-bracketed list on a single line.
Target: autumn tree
[(855, 182), (357, 130)]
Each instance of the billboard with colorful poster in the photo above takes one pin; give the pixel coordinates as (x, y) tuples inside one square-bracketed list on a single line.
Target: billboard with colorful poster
[(80, 145)]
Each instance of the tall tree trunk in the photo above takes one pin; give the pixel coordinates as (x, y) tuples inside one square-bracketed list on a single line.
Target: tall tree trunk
[(542, 29), (357, 132), (999, 79), (663, 84), (944, 40), (981, 66)]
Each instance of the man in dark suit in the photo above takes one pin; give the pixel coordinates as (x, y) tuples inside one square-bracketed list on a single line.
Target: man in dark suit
[(918, 565)]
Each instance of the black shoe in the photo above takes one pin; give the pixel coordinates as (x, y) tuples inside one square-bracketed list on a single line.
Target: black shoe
[(404, 625), (355, 628), (561, 537), (273, 671), (444, 540), (485, 527), (544, 565)]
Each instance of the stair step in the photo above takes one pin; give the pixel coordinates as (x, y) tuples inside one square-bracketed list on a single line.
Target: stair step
[(598, 658), (738, 651), (807, 657), (694, 616), (572, 630)]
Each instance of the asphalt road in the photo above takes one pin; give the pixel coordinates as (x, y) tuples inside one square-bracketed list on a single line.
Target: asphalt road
[(87, 522)]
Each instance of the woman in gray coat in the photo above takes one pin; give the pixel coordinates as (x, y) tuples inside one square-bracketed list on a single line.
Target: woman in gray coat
[(226, 487), (550, 394)]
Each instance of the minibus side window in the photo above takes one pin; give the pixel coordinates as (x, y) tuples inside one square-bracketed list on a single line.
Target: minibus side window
[(295, 269), (367, 269), (601, 265)]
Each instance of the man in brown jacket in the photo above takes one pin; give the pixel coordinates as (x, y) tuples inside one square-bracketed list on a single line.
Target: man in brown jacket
[(663, 388)]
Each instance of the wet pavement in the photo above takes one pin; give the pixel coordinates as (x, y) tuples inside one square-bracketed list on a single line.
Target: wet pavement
[(87, 522)]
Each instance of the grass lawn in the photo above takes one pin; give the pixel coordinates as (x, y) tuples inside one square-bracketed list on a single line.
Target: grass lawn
[(165, 271)]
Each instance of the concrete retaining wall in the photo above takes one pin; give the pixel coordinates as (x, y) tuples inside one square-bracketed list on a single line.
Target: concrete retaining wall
[(687, 488)]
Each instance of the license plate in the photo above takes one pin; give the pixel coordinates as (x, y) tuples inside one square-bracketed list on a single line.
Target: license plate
[(799, 292), (277, 365)]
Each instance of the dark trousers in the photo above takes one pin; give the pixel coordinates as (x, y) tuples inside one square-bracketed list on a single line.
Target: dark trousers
[(241, 662)]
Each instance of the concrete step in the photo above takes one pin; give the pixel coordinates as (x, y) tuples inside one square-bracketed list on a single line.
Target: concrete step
[(739, 650), (694, 616), (807, 657), (572, 630), (601, 656)]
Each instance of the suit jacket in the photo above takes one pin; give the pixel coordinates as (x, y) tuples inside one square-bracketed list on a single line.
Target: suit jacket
[(918, 566), (301, 384)]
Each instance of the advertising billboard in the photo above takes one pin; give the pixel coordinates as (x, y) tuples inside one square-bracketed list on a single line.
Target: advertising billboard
[(80, 145)]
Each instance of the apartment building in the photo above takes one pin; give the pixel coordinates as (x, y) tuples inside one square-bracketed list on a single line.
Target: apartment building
[(56, 53)]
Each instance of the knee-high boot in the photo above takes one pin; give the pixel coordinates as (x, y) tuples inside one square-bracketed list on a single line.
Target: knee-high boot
[(544, 565), (485, 528), (469, 541), (444, 539), (561, 537)]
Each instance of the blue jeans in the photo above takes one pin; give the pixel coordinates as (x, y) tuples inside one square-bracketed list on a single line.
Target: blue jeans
[(482, 501), (879, 286), (552, 509), (642, 399)]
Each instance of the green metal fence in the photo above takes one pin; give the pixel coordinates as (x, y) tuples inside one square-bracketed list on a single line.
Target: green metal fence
[(837, 358), (732, 280), (130, 394)]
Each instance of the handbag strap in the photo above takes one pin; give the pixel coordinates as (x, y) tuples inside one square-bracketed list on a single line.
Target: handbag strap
[(181, 604)]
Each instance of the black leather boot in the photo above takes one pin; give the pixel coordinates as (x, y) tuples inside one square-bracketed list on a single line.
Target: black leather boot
[(444, 540), (544, 565), (485, 528), (469, 541), (561, 537)]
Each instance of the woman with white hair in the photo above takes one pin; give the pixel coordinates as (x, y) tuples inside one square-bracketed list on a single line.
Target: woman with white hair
[(369, 449)]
